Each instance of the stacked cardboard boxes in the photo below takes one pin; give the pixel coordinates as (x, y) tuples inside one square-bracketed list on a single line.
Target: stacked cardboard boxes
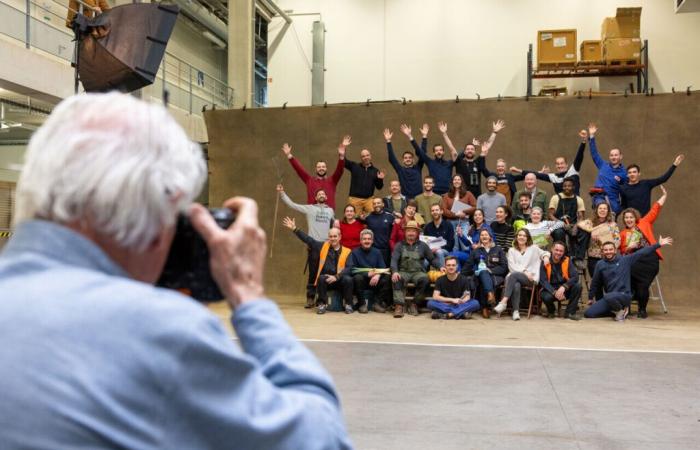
[(620, 37)]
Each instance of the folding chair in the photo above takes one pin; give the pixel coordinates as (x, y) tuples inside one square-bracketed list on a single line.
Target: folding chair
[(659, 295)]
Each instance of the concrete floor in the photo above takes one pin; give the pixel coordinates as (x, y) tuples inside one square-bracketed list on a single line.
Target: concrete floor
[(417, 383)]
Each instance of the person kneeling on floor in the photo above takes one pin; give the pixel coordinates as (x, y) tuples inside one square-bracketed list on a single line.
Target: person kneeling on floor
[(559, 281), (613, 273), (407, 267), (451, 298), (369, 273)]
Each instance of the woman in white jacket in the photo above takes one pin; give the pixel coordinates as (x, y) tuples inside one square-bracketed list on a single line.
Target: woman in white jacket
[(524, 265)]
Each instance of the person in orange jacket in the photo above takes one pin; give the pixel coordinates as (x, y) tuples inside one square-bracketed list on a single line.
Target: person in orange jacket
[(91, 8), (637, 234)]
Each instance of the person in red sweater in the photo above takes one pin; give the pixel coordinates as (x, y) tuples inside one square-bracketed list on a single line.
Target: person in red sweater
[(637, 234), (350, 228), (320, 180), (410, 214)]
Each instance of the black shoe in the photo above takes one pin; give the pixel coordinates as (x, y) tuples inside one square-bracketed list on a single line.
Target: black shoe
[(310, 302), (573, 317), (551, 315), (642, 314), (435, 315)]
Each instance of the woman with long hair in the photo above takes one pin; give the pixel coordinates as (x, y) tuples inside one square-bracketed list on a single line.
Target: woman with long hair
[(602, 228), (638, 233), (350, 228), (524, 259), (502, 227), (489, 266), (458, 191), (541, 230)]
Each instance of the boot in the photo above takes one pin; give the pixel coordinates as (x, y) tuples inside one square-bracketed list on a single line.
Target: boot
[(310, 303), (491, 298), (412, 309), (378, 308), (398, 311), (486, 312), (363, 306)]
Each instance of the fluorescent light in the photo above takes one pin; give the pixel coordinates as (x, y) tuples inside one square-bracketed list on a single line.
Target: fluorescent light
[(214, 39)]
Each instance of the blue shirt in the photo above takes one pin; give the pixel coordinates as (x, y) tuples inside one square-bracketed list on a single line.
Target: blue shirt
[(381, 225), (606, 177), (614, 275), (94, 359), (445, 230), (411, 178), (439, 168)]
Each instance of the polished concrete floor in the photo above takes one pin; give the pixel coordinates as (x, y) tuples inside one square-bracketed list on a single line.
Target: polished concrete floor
[(417, 383)]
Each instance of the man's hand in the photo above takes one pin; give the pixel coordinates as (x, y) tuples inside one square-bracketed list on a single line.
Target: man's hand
[(395, 277), (347, 140), (405, 129), (280, 188), (475, 142), (388, 134), (592, 129), (442, 126), (545, 169), (485, 147), (560, 294), (618, 179), (287, 150), (665, 241), (331, 279), (679, 159), (514, 169), (583, 134), (381, 175), (424, 130), (498, 125), (374, 280), (237, 254), (290, 223)]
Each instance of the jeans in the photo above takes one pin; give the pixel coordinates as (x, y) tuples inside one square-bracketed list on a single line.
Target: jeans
[(382, 290), (572, 294), (456, 310), (611, 303), (441, 254), (514, 282)]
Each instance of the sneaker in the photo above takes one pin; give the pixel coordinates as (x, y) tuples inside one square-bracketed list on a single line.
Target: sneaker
[(321, 309), (500, 308), (398, 311), (378, 308), (467, 315), (348, 309), (516, 315), (573, 317), (310, 301), (412, 309), (621, 315), (363, 307), (642, 314)]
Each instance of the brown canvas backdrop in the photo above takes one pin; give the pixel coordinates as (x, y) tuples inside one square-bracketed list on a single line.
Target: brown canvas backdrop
[(650, 131)]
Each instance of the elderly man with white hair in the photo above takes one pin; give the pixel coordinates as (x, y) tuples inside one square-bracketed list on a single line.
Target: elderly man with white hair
[(93, 354), (538, 197)]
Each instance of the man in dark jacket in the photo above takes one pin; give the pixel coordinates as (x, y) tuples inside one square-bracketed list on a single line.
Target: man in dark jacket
[(488, 265), (636, 193), (613, 274), (364, 179), (375, 279), (409, 172), (559, 281), (381, 223), (440, 168)]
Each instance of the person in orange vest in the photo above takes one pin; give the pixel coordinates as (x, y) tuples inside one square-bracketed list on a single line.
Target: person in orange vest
[(332, 258), (559, 281)]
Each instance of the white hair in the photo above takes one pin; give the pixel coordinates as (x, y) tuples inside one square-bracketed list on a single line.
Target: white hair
[(121, 165)]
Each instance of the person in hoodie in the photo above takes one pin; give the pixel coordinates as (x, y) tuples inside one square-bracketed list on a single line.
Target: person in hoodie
[(409, 172)]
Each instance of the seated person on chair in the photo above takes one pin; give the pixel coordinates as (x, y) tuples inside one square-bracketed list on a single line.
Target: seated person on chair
[(613, 274), (559, 281), (369, 273), (451, 298), (407, 267), (489, 266), (331, 262), (639, 233), (569, 208), (524, 271)]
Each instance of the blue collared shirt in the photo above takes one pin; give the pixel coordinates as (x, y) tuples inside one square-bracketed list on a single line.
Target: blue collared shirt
[(91, 358)]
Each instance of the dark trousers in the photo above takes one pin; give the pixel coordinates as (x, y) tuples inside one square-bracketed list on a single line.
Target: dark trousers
[(399, 288), (643, 273), (343, 284), (386, 254), (573, 294), (609, 304), (578, 243), (312, 259), (486, 282), (590, 265), (382, 290)]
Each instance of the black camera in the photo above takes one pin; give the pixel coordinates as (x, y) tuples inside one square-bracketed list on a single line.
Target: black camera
[(187, 267)]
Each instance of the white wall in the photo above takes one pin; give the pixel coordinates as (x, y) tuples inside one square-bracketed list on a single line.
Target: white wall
[(422, 50)]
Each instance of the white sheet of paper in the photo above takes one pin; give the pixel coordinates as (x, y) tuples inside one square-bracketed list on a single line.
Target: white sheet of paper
[(458, 206)]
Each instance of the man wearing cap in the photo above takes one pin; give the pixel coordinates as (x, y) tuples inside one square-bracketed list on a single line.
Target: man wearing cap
[(407, 267)]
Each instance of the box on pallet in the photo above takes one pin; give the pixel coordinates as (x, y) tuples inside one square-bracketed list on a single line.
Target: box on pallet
[(591, 51), (622, 49), (556, 47), (625, 24)]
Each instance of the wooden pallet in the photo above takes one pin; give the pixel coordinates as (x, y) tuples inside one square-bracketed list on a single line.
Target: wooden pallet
[(556, 65), (590, 63), (622, 62)]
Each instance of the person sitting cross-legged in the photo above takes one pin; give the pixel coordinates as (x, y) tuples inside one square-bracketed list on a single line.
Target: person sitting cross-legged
[(451, 297), (489, 266), (407, 267), (332, 258), (613, 274), (559, 281), (369, 273)]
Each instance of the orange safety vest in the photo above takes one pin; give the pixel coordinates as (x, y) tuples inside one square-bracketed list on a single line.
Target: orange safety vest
[(344, 253), (564, 269)]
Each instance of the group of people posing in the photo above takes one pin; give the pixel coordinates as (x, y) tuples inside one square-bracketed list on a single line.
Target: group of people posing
[(441, 228)]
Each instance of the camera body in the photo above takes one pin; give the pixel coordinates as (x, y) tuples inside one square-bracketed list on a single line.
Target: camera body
[(187, 267)]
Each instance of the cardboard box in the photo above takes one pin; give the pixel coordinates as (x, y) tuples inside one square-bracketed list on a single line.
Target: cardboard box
[(591, 51), (622, 49), (625, 24), (556, 47)]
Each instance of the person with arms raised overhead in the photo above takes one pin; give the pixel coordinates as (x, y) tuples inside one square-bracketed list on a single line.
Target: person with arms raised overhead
[(104, 359), (611, 174), (440, 168), (409, 172)]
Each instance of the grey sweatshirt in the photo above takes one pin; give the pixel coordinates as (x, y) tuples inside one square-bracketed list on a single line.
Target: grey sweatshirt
[(318, 217)]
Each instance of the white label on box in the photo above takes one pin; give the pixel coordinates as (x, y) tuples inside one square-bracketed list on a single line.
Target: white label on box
[(635, 54), (545, 36), (569, 56), (559, 41)]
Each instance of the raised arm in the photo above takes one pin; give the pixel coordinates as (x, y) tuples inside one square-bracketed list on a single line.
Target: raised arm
[(424, 137), (298, 168), (288, 201), (665, 177), (442, 126), (578, 159), (597, 160), (379, 180), (496, 127), (390, 150), (342, 147)]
